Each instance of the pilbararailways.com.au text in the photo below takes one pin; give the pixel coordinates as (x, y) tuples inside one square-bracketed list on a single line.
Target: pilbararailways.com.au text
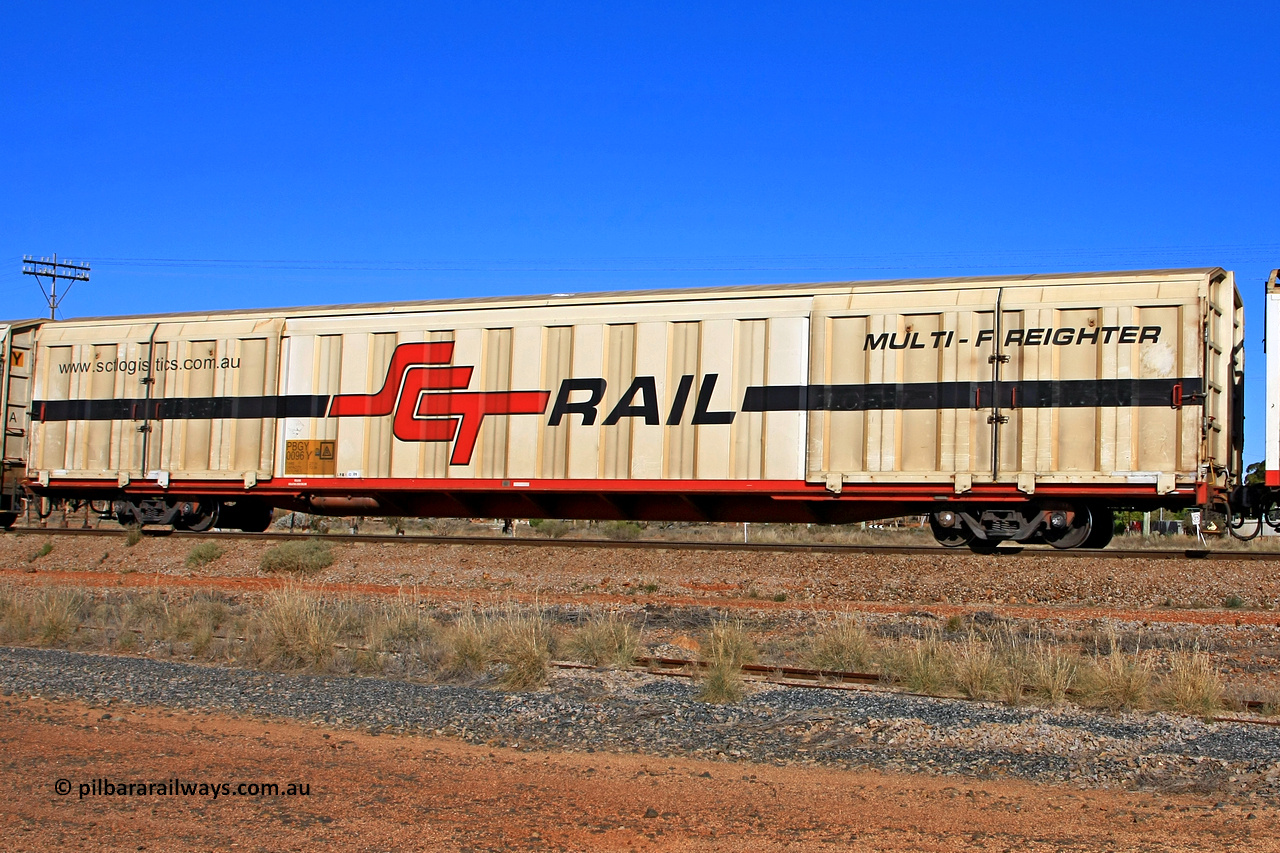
[(103, 787)]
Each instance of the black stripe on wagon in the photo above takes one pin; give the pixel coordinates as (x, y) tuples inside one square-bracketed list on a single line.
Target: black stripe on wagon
[(1066, 394), (182, 408)]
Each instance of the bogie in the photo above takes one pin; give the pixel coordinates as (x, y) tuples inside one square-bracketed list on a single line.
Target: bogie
[(1061, 526)]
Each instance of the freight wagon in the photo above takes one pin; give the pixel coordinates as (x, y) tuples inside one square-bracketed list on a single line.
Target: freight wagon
[(1005, 408)]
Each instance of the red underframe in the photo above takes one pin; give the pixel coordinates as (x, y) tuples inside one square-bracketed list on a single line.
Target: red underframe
[(646, 500)]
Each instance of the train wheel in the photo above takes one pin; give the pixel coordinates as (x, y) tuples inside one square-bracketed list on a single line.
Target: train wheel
[(1074, 530), (955, 536), (8, 519), (254, 517), (204, 519), (1104, 527)]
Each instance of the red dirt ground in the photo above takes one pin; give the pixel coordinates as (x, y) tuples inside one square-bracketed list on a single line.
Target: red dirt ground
[(373, 793)]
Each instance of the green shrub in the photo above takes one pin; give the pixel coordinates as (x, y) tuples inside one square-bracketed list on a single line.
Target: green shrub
[(132, 535), (555, 528), (297, 557), (203, 554), (622, 531), (43, 551)]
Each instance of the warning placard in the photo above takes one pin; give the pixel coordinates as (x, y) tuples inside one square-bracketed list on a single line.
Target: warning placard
[(310, 457)]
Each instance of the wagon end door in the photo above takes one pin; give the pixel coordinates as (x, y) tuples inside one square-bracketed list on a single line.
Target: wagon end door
[(15, 398)]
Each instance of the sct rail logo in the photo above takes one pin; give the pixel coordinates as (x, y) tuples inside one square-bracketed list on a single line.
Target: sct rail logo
[(430, 400)]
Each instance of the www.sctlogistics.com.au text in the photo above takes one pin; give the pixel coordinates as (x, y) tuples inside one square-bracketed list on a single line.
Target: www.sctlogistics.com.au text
[(159, 365), (181, 788)]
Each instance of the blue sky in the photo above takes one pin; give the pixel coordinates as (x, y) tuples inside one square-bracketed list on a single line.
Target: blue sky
[(238, 155)]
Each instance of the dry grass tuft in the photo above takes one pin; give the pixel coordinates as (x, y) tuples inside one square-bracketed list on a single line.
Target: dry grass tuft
[(1117, 681), (401, 622), (729, 642), (725, 648), (57, 614), (148, 615), (606, 639), (721, 684), (295, 630), (976, 669), (841, 645), (15, 617), (468, 643), (921, 666), (1053, 674), (398, 635), (522, 644), (1192, 685)]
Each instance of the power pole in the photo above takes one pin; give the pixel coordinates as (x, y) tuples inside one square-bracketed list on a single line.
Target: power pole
[(54, 269)]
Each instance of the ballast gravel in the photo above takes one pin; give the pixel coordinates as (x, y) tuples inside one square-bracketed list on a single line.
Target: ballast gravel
[(589, 710)]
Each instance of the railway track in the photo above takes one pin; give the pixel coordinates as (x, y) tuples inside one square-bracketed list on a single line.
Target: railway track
[(675, 545), (788, 676)]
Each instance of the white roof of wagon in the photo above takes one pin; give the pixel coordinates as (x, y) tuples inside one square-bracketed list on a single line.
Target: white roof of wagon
[(667, 295)]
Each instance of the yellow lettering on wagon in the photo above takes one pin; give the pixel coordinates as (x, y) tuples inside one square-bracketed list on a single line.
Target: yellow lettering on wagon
[(309, 457)]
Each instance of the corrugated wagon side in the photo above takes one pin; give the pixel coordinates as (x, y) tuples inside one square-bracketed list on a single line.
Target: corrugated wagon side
[(1016, 408)]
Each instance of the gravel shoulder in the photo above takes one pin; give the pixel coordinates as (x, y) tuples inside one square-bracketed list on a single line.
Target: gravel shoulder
[(634, 712), (578, 770)]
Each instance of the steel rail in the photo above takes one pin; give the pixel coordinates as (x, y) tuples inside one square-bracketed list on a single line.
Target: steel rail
[(679, 545), (794, 676)]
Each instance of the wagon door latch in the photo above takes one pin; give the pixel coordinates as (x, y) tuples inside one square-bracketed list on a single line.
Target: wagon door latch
[(1179, 399)]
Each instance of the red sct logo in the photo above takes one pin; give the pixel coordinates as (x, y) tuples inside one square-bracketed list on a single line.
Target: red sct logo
[(430, 400)]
